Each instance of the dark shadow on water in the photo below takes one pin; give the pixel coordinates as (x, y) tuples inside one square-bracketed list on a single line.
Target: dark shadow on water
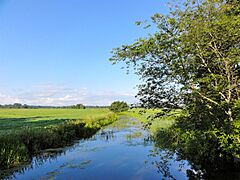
[(193, 171)]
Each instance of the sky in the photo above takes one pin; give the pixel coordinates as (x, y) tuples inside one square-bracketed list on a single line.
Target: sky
[(55, 52)]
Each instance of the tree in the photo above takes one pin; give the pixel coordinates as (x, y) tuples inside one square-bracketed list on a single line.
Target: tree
[(78, 106), (119, 106), (17, 105), (193, 62)]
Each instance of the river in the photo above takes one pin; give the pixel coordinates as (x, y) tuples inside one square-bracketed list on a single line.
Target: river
[(122, 150)]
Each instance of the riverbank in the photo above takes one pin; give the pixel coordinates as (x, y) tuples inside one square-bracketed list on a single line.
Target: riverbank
[(152, 120), (25, 133)]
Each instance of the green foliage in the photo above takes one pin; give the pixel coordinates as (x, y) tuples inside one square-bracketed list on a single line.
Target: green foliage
[(210, 153), (119, 106), (193, 61)]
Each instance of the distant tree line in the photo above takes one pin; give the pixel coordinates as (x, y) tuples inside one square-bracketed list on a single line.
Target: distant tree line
[(25, 106), (17, 106)]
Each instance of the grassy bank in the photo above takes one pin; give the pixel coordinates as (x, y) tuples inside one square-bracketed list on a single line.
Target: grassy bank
[(147, 117), (26, 132)]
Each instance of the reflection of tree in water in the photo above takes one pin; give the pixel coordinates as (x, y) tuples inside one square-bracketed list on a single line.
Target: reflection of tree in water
[(107, 135), (138, 141), (202, 168), (167, 160), (164, 160), (163, 164)]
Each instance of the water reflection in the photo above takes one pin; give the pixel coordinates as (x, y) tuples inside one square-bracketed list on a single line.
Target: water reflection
[(164, 161), (106, 135)]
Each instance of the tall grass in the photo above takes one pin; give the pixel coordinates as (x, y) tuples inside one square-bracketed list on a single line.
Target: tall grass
[(148, 118)]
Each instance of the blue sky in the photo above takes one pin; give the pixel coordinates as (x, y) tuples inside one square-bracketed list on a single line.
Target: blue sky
[(55, 52)]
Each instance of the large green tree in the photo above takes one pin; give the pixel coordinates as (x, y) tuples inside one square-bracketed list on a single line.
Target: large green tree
[(193, 61)]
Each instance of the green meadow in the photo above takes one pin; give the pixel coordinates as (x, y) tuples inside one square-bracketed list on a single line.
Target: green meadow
[(18, 119)]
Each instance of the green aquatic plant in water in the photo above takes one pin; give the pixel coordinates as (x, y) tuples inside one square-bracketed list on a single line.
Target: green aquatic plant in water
[(134, 135)]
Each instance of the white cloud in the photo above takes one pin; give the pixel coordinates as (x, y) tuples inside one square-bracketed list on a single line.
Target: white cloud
[(6, 99), (55, 95)]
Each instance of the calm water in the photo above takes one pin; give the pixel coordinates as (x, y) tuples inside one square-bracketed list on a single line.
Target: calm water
[(120, 151)]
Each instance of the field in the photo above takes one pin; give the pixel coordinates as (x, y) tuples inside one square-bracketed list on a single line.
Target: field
[(17, 119), (26, 132)]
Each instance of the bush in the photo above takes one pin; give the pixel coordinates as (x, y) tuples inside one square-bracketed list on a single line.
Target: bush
[(119, 106)]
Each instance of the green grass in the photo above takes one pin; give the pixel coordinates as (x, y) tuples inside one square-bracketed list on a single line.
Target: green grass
[(18, 119), (156, 123), (26, 132)]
